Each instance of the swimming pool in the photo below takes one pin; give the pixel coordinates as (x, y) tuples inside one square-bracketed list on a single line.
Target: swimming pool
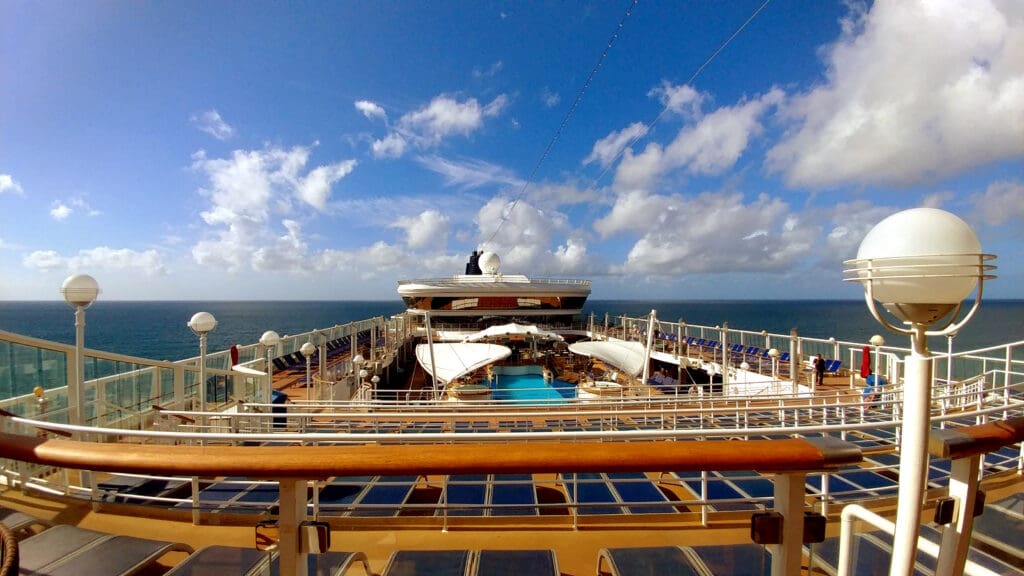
[(531, 389)]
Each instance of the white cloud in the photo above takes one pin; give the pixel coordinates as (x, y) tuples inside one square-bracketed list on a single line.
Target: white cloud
[(101, 258), (607, 149), (315, 188), (60, 211), (710, 146), (442, 117), (712, 232), (549, 98), (44, 260), (391, 146), (682, 100), (1000, 203), (9, 184), (528, 239), (211, 123), (916, 90), (489, 72), (429, 229), (469, 174), (247, 191), (371, 109)]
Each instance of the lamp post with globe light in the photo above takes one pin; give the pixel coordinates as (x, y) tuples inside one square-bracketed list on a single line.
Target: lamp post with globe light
[(308, 349), (202, 323), (269, 340), (80, 291), (920, 264), (877, 341)]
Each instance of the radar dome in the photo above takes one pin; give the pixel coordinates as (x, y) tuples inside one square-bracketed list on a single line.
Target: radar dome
[(489, 263)]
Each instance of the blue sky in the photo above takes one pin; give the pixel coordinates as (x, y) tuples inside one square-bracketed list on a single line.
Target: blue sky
[(195, 150)]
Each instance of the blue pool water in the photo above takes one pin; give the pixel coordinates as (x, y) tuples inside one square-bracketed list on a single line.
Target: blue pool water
[(531, 389)]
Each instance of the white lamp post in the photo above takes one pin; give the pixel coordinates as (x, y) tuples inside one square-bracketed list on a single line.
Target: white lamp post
[(374, 381), (920, 264), (80, 291), (270, 340), (773, 353), (202, 323), (307, 349)]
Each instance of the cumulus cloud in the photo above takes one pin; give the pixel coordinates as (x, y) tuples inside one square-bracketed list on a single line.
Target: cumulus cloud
[(60, 211), (428, 229), (469, 174), (1000, 203), (211, 123), (489, 72), (607, 149), (247, 191), (712, 232), (101, 258), (371, 110), (9, 184), (391, 146), (915, 90), (710, 146), (528, 239), (683, 99)]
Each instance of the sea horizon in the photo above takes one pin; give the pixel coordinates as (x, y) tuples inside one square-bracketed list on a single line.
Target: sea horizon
[(158, 329)]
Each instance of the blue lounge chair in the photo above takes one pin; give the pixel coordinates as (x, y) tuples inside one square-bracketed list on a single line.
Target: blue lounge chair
[(516, 563), (428, 563)]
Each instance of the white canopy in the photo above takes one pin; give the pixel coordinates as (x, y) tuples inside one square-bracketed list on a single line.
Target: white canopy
[(626, 356), (511, 329), (457, 359)]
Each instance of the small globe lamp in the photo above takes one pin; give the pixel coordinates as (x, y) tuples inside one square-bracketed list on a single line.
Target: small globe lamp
[(308, 349), (269, 340), (79, 291), (920, 265), (202, 323)]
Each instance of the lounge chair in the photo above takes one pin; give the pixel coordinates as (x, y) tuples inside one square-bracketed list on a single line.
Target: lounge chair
[(516, 563), (327, 564), (675, 560), (428, 563), (68, 550), (221, 560), (17, 521)]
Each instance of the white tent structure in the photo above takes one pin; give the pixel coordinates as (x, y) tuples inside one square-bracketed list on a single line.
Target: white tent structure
[(626, 356), (512, 330), (458, 359)]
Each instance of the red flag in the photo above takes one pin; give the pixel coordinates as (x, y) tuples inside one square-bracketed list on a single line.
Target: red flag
[(865, 362)]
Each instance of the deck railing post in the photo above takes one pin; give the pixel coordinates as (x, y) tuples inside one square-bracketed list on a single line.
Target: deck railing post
[(956, 538), (293, 514), (789, 502)]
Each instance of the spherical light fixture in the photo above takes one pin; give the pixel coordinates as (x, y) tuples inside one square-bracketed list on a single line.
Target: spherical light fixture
[(202, 323), (920, 264), (877, 340), (270, 338), (80, 290), (308, 349)]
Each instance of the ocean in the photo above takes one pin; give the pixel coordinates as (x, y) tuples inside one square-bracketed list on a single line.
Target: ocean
[(158, 330)]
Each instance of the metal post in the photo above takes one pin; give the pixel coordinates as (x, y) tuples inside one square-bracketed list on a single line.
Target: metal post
[(78, 415), (956, 538), (913, 453)]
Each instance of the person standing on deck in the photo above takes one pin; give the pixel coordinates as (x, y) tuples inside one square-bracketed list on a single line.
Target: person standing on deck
[(819, 370)]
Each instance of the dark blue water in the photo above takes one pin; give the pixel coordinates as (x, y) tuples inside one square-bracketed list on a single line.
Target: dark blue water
[(158, 329)]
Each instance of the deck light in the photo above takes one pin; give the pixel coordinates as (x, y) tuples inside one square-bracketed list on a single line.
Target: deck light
[(920, 264), (307, 349), (202, 323), (269, 340), (80, 291)]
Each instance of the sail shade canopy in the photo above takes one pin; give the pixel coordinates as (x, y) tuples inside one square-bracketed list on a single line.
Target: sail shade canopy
[(512, 330), (626, 356), (458, 359)]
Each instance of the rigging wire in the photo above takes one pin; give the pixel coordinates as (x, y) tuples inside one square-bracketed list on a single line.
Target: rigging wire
[(579, 96), (689, 81), (565, 120)]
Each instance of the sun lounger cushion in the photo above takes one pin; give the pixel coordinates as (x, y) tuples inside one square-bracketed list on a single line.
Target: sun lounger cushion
[(221, 560), (516, 562), (675, 560), (428, 563)]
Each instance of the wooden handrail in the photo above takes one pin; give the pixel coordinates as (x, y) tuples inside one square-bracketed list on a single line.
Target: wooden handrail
[(268, 462), (956, 443)]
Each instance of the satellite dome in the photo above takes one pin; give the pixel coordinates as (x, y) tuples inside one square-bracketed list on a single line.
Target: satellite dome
[(489, 263)]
